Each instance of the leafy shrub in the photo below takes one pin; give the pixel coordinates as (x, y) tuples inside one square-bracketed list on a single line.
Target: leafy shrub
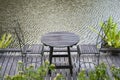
[(100, 73), (111, 32), (30, 73), (116, 72), (59, 77), (82, 75)]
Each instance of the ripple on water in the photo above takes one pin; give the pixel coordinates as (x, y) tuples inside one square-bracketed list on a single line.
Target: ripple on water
[(38, 17)]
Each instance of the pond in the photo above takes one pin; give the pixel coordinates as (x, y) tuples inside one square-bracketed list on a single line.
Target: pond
[(38, 17)]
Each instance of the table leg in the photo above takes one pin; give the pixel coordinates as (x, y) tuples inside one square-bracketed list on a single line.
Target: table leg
[(50, 57), (70, 62)]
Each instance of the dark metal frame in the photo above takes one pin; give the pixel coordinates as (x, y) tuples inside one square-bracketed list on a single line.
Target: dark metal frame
[(57, 40), (99, 42), (24, 47), (61, 67)]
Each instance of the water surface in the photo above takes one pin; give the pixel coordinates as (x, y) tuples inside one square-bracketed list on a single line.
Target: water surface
[(38, 17)]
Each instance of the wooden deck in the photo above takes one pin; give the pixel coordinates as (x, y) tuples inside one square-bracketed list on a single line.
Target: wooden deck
[(9, 60)]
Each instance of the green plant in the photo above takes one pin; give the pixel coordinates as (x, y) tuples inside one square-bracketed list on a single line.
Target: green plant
[(30, 73), (5, 40), (111, 32), (59, 77), (99, 73), (82, 75), (116, 72)]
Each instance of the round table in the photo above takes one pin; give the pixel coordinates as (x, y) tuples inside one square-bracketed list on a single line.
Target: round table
[(60, 40)]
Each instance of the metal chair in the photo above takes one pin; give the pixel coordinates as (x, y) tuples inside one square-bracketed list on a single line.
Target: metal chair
[(91, 49), (26, 49)]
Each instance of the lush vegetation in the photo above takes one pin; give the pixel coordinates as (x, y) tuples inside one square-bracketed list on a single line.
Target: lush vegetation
[(100, 73), (116, 72), (59, 77), (5, 40), (111, 32), (30, 73), (111, 38)]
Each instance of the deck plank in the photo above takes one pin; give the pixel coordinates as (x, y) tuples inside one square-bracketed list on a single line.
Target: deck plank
[(9, 61), (14, 65)]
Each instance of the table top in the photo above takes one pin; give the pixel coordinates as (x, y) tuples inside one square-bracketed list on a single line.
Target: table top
[(60, 39)]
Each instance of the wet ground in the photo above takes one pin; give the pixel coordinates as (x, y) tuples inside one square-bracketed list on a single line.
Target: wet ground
[(38, 17)]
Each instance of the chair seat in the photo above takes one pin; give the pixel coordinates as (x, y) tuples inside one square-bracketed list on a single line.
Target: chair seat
[(33, 49), (87, 49)]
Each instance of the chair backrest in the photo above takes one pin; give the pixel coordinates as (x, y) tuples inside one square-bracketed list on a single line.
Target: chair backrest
[(19, 34), (99, 39)]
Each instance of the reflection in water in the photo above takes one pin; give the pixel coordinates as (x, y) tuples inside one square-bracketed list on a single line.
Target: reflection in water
[(38, 17)]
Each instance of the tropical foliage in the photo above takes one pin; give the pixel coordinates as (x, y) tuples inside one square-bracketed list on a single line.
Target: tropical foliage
[(30, 73), (116, 72), (59, 77), (100, 73), (111, 33), (5, 40)]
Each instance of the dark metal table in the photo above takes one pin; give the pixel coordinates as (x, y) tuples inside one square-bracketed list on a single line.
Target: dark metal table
[(60, 40)]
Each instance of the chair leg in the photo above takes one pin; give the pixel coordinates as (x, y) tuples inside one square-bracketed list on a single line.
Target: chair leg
[(42, 59), (98, 58), (79, 62), (24, 59), (50, 58), (79, 54), (42, 55), (97, 55)]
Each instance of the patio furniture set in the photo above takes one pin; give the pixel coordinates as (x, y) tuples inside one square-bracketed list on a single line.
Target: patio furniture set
[(62, 39), (55, 40)]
